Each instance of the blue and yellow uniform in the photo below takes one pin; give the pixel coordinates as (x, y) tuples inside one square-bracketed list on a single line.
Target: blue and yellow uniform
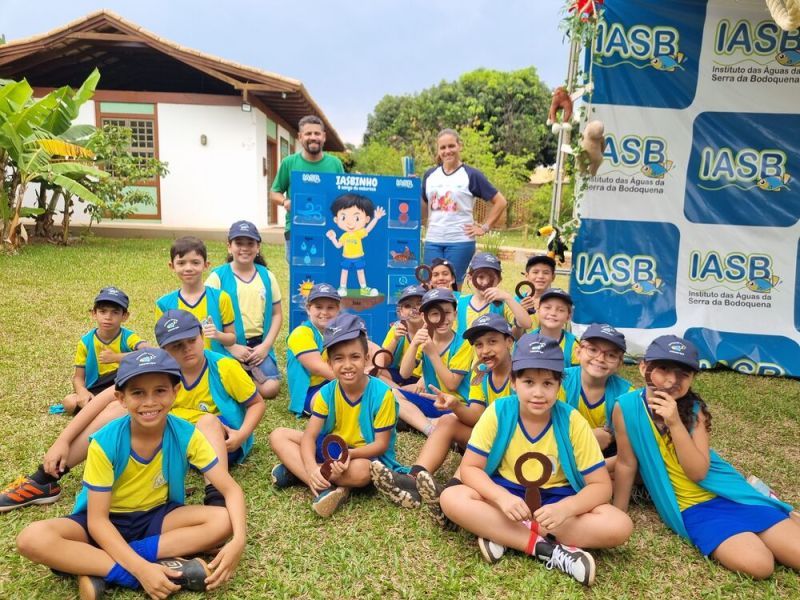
[(485, 392), (252, 298), (467, 312), (89, 348), (457, 357), (348, 411), (599, 413), (302, 384), (569, 346), (397, 356), (214, 303)]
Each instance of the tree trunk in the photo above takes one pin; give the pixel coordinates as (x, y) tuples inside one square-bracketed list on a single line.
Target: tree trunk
[(65, 221), (12, 239)]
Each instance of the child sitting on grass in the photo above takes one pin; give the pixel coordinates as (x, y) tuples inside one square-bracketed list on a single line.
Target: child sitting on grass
[(574, 499), (306, 363), (129, 520), (358, 408), (400, 334), (100, 350), (663, 432)]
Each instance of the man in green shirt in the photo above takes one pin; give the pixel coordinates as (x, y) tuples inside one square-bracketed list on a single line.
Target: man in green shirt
[(311, 134)]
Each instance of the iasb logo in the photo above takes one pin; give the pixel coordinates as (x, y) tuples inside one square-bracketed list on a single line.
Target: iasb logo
[(620, 273), (145, 358), (744, 168), (632, 154), (763, 39), (751, 271), (678, 348), (171, 324), (640, 46), (536, 347)]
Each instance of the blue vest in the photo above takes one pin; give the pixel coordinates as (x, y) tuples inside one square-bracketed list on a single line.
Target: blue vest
[(429, 373), (115, 441), (92, 370), (722, 479), (507, 410), (298, 376), (170, 302), (461, 313), (227, 280), (232, 411), (616, 386), (371, 401)]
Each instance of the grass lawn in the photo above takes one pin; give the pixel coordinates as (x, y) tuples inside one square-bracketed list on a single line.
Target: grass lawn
[(369, 548)]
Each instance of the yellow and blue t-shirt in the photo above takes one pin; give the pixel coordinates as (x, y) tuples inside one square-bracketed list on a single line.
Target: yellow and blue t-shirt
[(473, 312), (252, 300), (351, 243), (141, 486), (115, 345), (485, 392), (572, 393), (347, 412), (300, 341), (457, 357), (194, 399), (200, 310), (588, 456)]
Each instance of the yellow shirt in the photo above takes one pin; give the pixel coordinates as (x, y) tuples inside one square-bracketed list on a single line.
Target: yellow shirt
[(351, 243), (300, 341), (457, 360), (141, 486), (478, 395), (473, 312), (194, 398), (115, 345), (252, 297), (347, 412), (587, 452), (200, 310)]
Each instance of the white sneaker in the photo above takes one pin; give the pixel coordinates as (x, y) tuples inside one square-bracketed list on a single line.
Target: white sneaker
[(342, 291), (490, 551), (574, 562), (368, 291)]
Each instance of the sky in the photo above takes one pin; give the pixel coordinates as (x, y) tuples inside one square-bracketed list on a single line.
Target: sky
[(347, 53)]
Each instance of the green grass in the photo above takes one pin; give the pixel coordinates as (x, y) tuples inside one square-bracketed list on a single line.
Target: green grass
[(369, 548)]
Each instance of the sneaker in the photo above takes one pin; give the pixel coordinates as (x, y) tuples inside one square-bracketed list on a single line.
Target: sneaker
[(24, 491), (401, 489), (283, 477), (490, 551), (429, 491), (91, 587), (573, 561), (329, 500), (342, 291), (368, 291), (193, 572)]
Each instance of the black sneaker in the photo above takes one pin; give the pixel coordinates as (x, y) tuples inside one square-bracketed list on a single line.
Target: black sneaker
[(283, 477), (573, 561), (24, 491), (401, 489), (193, 572), (91, 587), (429, 490), (491, 551)]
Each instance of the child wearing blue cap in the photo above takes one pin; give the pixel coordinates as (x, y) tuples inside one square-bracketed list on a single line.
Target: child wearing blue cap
[(212, 307), (594, 386), (129, 519), (400, 334), (554, 314), (307, 368), (256, 300), (100, 350), (358, 408), (574, 508), (663, 431), (485, 274)]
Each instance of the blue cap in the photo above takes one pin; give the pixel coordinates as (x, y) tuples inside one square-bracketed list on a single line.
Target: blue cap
[(412, 291), (323, 290), (150, 360), (535, 351), (437, 295), (542, 259), (244, 229), (487, 322), (485, 260), (673, 349), (555, 292), (605, 332), (343, 327), (176, 325), (114, 295)]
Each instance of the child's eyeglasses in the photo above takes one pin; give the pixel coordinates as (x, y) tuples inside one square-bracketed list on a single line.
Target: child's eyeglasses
[(608, 355)]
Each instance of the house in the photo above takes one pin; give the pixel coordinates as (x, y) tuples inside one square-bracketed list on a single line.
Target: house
[(222, 127)]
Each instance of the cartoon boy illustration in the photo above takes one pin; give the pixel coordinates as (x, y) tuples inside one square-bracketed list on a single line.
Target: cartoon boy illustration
[(356, 216)]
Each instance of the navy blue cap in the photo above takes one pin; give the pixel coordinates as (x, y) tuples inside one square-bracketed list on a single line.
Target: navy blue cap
[(437, 295), (244, 229), (535, 351), (605, 332), (151, 360), (113, 294), (343, 327), (411, 291), (540, 259), (485, 260), (176, 325), (556, 293), (674, 349), (323, 290), (487, 322)]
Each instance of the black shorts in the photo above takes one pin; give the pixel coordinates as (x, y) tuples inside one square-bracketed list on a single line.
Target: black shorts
[(132, 525), (103, 383)]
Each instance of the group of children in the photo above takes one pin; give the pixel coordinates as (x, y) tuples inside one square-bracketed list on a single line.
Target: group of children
[(497, 377)]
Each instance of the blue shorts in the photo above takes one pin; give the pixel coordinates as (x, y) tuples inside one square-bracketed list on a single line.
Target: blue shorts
[(312, 389), (268, 367), (132, 525), (549, 495), (425, 405), (399, 379), (353, 264), (712, 522)]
